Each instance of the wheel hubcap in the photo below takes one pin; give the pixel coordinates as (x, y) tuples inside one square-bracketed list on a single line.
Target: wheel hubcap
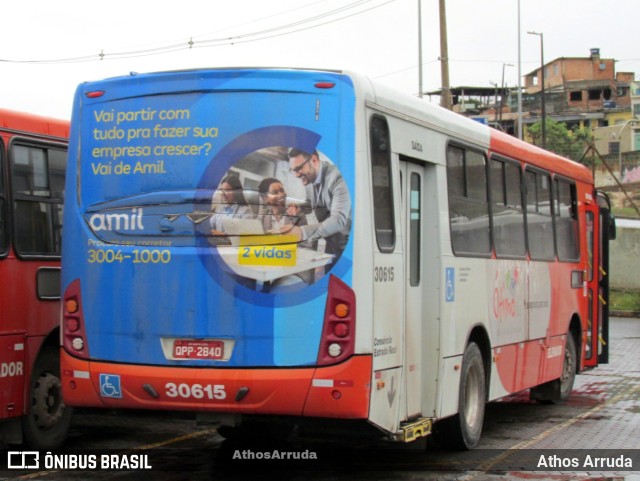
[(47, 405)]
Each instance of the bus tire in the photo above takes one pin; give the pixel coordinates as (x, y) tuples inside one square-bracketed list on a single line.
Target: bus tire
[(569, 368), (558, 390), (47, 423), (467, 424)]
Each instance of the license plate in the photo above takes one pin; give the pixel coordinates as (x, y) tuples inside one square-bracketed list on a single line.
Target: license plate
[(191, 349)]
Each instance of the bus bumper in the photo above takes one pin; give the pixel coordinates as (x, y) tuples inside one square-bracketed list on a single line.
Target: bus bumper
[(340, 391)]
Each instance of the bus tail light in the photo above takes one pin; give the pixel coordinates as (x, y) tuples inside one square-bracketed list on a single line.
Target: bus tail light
[(338, 332), (325, 85), (94, 94), (73, 332)]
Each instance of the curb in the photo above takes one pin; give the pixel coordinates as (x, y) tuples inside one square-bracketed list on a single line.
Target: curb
[(624, 313)]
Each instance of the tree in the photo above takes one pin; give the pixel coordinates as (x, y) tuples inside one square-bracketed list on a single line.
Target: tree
[(559, 139)]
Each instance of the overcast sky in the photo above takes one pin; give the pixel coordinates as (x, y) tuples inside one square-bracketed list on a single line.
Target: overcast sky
[(376, 37)]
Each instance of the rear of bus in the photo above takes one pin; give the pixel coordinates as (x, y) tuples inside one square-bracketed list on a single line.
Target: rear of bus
[(161, 310)]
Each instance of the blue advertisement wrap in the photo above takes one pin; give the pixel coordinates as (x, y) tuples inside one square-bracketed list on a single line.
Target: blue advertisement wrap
[(210, 206)]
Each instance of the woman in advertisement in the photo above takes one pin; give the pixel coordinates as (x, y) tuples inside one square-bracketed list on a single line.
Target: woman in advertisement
[(278, 214), (232, 204)]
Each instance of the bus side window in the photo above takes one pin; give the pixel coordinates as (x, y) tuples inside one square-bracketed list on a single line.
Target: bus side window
[(566, 219), (506, 209), (38, 184), (3, 226), (3, 217), (382, 187), (468, 202), (539, 219)]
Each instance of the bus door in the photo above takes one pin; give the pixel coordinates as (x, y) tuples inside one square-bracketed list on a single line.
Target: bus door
[(606, 233), (413, 229), (596, 285), (600, 229)]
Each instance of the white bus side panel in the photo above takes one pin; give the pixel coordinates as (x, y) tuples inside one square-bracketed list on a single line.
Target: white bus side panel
[(450, 386), (388, 337), (388, 324)]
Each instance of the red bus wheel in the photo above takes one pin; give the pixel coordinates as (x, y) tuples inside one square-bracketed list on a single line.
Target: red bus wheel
[(47, 423), (569, 368)]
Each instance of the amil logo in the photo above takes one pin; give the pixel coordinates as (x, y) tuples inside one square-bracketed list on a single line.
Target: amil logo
[(118, 222)]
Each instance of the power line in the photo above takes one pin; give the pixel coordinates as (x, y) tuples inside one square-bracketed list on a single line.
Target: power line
[(263, 18), (236, 40), (268, 33)]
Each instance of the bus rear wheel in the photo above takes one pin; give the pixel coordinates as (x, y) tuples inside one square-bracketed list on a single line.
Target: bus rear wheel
[(47, 423), (569, 368), (467, 424), (558, 390)]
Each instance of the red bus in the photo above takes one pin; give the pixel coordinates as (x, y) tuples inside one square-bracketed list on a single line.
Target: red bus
[(33, 155)]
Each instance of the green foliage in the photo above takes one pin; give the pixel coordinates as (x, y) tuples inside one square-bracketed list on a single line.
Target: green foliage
[(624, 300), (559, 139)]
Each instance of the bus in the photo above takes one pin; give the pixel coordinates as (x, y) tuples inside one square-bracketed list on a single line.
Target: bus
[(288, 247), (33, 157)]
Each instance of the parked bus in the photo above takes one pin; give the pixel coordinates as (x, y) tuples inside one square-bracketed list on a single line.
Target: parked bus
[(304, 247), (33, 155)]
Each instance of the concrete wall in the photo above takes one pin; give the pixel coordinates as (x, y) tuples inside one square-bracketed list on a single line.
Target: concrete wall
[(624, 256)]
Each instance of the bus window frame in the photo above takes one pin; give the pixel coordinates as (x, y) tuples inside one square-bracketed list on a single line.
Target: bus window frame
[(484, 153), (12, 197), (391, 247), (414, 228), (525, 194), (508, 160), (4, 191), (575, 215)]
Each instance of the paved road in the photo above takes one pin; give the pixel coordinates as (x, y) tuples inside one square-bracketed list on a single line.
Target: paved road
[(601, 414)]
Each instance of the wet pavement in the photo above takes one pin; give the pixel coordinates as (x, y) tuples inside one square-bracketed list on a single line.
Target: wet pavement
[(600, 420)]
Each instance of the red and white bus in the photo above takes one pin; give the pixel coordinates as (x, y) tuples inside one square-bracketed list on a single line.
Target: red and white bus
[(33, 157), (425, 264)]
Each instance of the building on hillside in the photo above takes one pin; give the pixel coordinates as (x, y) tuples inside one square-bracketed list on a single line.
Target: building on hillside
[(487, 105), (579, 92), (619, 141)]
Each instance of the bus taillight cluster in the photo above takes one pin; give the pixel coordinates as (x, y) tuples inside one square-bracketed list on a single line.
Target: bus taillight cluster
[(73, 334), (338, 333)]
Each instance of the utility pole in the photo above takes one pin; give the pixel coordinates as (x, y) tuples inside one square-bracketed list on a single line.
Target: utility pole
[(445, 99), (502, 94), (542, 107), (420, 48), (519, 79)]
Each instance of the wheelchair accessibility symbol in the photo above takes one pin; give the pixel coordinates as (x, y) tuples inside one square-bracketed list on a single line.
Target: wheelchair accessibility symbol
[(110, 386), (450, 288)]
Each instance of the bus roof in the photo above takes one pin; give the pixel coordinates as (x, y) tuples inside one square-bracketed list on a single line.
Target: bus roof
[(400, 104), (463, 128), (27, 123), (505, 144), (431, 116)]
